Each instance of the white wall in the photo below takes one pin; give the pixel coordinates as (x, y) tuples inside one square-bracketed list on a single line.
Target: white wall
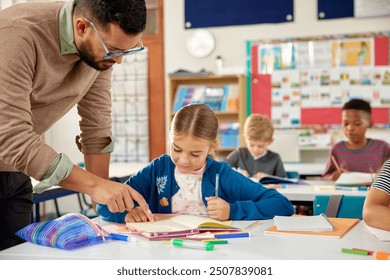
[(230, 40)]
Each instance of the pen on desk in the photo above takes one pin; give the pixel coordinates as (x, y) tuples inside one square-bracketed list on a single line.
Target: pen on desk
[(327, 219), (276, 186), (216, 184), (114, 236), (252, 226), (351, 188), (178, 242), (335, 163), (232, 235)]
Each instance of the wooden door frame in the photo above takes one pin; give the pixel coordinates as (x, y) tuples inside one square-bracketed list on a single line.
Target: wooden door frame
[(156, 84)]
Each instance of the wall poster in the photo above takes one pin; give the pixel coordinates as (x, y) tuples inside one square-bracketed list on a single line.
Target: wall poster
[(306, 81)]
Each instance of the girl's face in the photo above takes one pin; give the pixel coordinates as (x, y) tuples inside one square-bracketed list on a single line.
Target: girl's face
[(189, 153)]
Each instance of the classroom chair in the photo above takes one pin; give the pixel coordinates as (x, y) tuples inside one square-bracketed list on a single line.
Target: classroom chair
[(299, 209), (293, 175), (341, 206)]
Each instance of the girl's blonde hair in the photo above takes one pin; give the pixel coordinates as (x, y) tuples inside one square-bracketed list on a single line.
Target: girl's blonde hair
[(197, 120)]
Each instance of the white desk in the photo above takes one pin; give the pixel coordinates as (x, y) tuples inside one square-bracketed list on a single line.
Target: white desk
[(306, 169), (306, 193), (259, 246)]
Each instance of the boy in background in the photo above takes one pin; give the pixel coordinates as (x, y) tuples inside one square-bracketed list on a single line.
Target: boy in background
[(358, 153), (255, 160)]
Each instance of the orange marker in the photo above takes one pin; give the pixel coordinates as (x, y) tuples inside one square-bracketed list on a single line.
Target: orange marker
[(382, 255)]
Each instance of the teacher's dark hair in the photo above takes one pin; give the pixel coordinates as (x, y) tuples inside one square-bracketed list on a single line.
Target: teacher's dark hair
[(129, 14)]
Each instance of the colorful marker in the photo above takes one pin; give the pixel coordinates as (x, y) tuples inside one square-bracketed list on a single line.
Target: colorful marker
[(178, 242), (370, 253), (114, 236), (277, 186), (355, 252), (382, 255), (232, 235)]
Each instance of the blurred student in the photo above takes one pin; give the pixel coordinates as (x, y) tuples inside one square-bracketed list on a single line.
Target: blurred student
[(189, 181), (376, 209), (358, 153), (255, 160)]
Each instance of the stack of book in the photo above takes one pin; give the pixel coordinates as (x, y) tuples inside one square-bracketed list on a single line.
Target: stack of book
[(183, 226), (319, 225), (218, 98), (229, 134)]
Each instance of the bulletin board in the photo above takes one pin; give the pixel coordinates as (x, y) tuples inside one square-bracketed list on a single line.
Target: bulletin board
[(212, 13), (303, 82)]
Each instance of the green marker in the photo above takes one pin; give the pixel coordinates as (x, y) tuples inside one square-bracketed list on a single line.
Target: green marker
[(178, 242), (355, 252)]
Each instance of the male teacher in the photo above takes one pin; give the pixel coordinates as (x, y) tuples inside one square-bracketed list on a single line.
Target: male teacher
[(56, 55)]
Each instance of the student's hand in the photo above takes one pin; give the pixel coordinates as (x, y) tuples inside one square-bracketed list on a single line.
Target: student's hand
[(218, 208), (260, 175), (137, 215), (119, 197), (243, 172), (336, 174)]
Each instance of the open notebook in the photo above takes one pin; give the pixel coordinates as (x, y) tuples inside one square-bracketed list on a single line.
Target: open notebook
[(380, 234), (270, 179), (179, 226), (303, 223), (355, 179), (341, 227)]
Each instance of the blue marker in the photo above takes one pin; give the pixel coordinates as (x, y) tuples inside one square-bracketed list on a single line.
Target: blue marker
[(114, 236), (232, 235)]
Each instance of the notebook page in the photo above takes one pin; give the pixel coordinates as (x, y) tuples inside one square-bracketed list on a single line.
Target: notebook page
[(380, 234), (159, 226), (303, 223), (193, 222), (355, 178)]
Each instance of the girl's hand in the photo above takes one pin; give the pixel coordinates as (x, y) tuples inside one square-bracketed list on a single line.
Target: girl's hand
[(218, 208), (137, 215)]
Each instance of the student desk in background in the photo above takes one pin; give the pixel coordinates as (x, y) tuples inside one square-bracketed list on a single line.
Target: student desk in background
[(306, 169), (259, 246), (305, 194)]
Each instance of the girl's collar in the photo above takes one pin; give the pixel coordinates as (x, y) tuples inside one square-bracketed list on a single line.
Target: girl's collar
[(196, 172)]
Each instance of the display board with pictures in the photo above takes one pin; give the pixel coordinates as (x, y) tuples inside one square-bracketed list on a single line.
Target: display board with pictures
[(306, 81)]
